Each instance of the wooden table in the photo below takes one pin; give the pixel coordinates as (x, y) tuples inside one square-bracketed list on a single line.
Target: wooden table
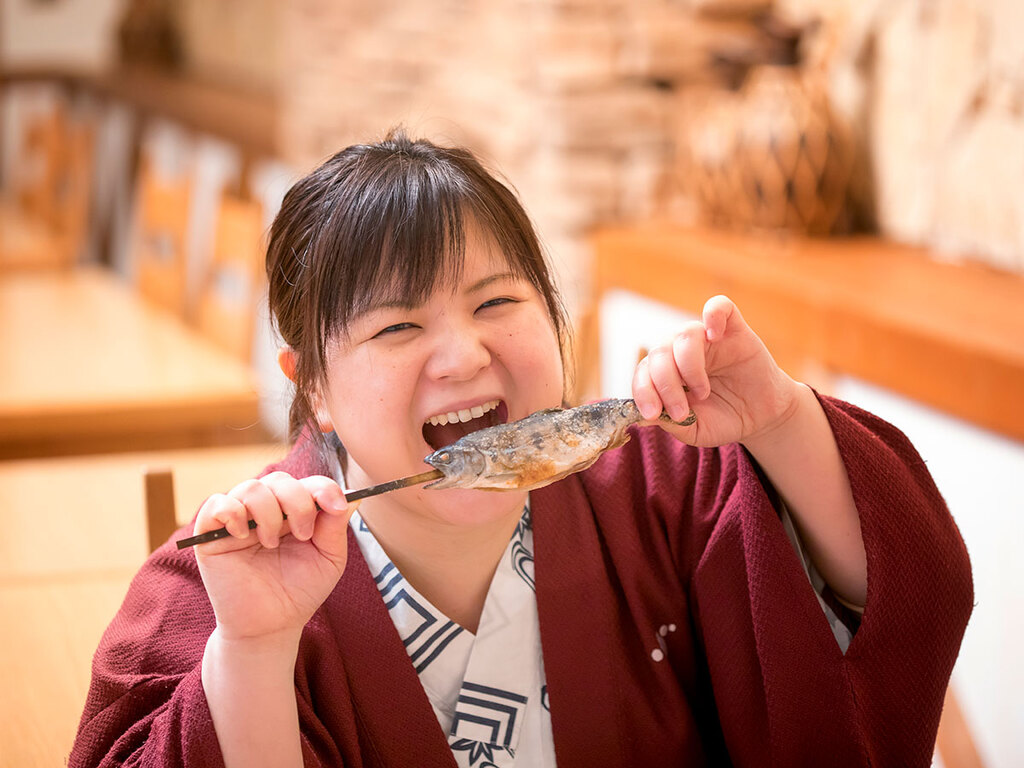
[(947, 335), (51, 630), (85, 514), (74, 535), (86, 365)]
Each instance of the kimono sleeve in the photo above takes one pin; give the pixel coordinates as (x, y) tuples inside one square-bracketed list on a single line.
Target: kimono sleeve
[(146, 705), (780, 681)]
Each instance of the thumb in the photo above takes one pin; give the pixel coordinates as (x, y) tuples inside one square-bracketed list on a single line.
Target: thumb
[(330, 534)]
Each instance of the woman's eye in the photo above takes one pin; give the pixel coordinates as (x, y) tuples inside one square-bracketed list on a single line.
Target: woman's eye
[(496, 302), (393, 329)]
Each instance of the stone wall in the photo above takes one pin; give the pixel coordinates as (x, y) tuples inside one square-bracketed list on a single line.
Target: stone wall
[(586, 105), (233, 42), (938, 86)]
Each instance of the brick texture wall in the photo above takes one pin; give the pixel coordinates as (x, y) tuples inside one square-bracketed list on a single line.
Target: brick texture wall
[(586, 105)]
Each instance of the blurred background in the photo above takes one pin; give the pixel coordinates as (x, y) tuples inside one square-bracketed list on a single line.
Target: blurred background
[(851, 173)]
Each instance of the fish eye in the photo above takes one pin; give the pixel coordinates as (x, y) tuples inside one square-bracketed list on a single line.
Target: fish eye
[(444, 457)]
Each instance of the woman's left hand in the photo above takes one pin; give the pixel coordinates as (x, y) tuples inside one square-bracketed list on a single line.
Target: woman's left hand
[(721, 369)]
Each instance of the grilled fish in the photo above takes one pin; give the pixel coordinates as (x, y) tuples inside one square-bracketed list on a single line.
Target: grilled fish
[(537, 450)]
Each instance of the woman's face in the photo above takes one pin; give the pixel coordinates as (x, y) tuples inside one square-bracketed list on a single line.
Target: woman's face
[(487, 346)]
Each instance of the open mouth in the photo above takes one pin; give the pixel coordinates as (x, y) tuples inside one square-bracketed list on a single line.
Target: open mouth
[(445, 429)]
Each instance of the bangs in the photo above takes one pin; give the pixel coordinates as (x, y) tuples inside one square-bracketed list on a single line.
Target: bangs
[(403, 238), (416, 248)]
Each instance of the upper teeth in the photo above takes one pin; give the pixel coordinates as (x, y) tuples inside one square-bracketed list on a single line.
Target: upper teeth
[(463, 415)]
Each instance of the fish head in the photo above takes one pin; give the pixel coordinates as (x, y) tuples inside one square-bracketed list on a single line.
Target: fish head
[(461, 465)]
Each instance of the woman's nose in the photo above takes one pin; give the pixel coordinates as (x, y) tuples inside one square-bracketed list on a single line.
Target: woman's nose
[(458, 354)]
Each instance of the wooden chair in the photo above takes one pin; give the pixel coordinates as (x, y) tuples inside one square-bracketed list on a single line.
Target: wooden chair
[(161, 518), (159, 247), (45, 217), (233, 283)]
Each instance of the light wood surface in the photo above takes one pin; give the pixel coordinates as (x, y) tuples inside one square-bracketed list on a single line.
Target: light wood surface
[(26, 243), (86, 514), (86, 366), (74, 535), (947, 335), (51, 630)]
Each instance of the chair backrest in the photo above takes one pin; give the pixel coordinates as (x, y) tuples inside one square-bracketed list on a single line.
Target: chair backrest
[(233, 282), (159, 246), (74, 179), (161, 520), (53, 179)]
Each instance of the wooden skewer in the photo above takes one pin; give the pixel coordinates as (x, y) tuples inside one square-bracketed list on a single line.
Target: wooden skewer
[(373, 490)]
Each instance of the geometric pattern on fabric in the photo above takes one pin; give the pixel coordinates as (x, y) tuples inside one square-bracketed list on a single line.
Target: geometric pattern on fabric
[(420, 634), (487, 714), (521, 556)]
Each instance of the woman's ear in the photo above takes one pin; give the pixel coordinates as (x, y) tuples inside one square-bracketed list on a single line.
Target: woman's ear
[(287, 361)]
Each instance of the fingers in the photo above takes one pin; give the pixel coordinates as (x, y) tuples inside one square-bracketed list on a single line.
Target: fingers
[(223, 511), (719, 312), (278, 503), (672, 375), (688, 355)]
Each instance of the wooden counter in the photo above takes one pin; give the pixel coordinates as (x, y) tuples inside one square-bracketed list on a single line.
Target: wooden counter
[(86, 365), (947, 335)]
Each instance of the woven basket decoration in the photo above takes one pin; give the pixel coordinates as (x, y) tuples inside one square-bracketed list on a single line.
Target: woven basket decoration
[(772, 156)]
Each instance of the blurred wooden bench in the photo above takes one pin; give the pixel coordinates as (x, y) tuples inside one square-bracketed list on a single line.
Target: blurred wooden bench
[(234, 280)]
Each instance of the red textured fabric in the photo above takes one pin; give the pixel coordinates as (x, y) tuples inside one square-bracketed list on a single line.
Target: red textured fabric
[(677, 625)]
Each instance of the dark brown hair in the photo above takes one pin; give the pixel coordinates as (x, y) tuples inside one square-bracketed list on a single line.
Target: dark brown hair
[(385, 222)]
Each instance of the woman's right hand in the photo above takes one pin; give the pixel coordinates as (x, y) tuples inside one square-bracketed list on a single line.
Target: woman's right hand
[(269, 581)]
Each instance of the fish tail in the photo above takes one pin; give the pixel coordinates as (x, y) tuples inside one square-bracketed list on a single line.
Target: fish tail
[(691, 417)]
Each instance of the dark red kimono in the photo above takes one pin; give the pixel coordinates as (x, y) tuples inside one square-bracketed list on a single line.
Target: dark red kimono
[(655, 534)]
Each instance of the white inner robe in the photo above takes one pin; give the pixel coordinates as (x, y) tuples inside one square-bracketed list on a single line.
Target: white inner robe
[(488, 689)]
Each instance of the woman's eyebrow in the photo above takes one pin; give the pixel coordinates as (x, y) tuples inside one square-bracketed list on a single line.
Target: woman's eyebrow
[(370, 307), (375, 305), (498, 277)]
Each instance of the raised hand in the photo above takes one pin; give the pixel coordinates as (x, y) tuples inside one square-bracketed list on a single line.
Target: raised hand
[(721, 369)]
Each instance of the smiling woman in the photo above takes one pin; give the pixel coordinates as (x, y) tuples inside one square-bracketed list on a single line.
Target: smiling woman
[(487, 338), (684, 597)]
